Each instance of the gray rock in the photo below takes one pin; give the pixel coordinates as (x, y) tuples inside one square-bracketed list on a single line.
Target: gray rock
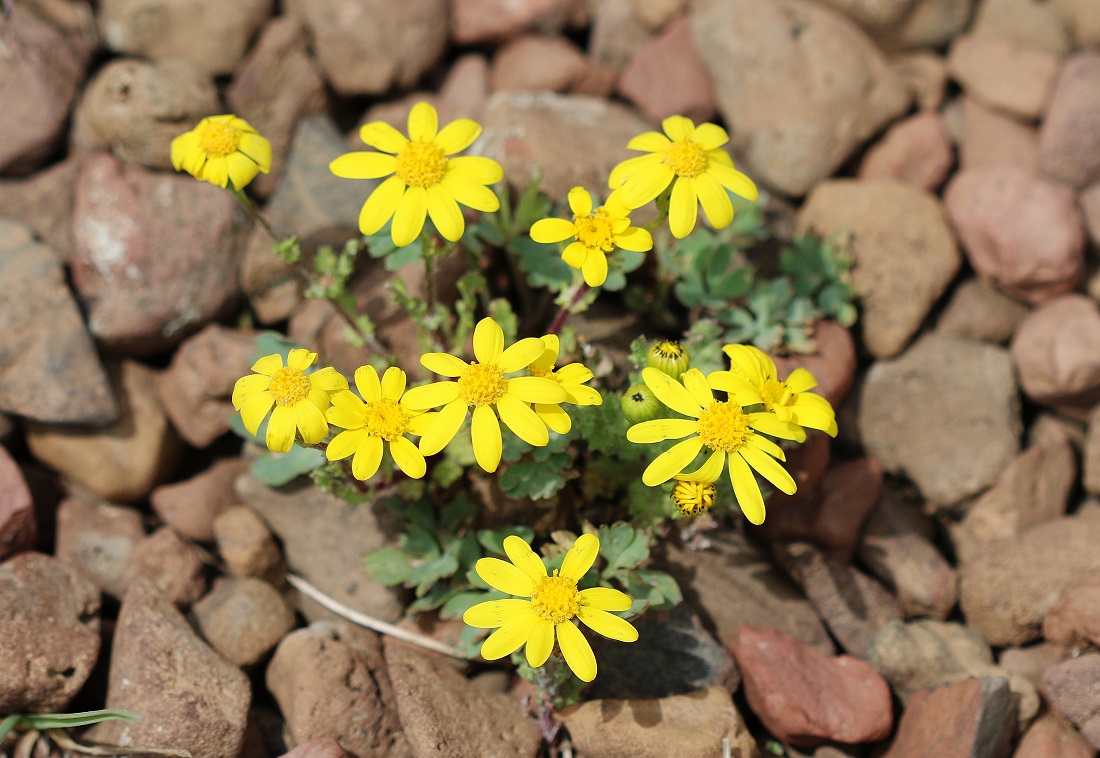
[(1069, 139), (99, 540), (243, 619), (1073, 692), (979, 311)]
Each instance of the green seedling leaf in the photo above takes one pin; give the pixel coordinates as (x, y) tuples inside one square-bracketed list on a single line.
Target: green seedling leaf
[(622, 547), (278, 469), (537, 480), (388, 566)]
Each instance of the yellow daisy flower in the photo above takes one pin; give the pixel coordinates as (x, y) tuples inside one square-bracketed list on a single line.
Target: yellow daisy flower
[(223, 150), (299, 399), (382, 418), (692, 160), (425, 180), (790, 400), (723, 427), (571, 377), (596, 233), (693, 497), (553, 603), (482, 386)]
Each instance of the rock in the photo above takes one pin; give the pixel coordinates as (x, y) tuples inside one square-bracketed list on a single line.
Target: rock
[(49, 633), (165, 29), (1057, 365), (247, 547), (992, 139), (800, 86), (537, 62), (173, 566), (531, 133), (833, 365), (1090, 458), (1030, 662), (969, 718), (121, 462), (743, 587), (99, 540), (925, 76), (465, 90), (617, 32), (807, 464), (49, 370), (18, 528), (904, 252), (479, 21), (806, 697), (190, 507), (190, 698), (1090, 209), (1034, 488), (318, 747), (979, 311), (197, 386), (135, 108), (1069, 139), (1004, 74), (42, 69), (1083, 22), (44, 202), (972, 386), (367, 48), (1039, 25), (1074, 621), (667, 77), (1007, 590), (693, 725), (914, 151), (330, 680), (243, 619), (1071, 686), (156, 254), (445, 714), (1051, 737), (325, 540), (902, 24)]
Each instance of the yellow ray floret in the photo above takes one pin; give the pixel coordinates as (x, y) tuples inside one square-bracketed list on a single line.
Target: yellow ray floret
[(223, 150), (571, 377)]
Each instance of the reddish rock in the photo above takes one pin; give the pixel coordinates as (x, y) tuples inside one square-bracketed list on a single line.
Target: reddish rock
[(43, 201), (805, 697), (1074, 621), (807, 465), (1069, 139), (1020, 231), (247, 546), (243, 619), (173, 566), (925, 76), (318, 747), (1057, 365), (18, 527), (1051, 737), (190, 507), (667, 77), (465, 90), (1072, 688), (1004, 74), (970, 718), (991, 139), (915, 151), (979, 311), (537, 62), (99, 540), (833, 364), (479, 21)]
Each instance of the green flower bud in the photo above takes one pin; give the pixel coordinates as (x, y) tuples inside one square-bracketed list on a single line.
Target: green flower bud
[(640, 404), (670, 357)]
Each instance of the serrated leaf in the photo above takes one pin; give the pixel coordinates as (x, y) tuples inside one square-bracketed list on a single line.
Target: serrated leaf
[(535, 480), (622, 547), (433, 598), (387, 566), (664, 591), (542, 264)]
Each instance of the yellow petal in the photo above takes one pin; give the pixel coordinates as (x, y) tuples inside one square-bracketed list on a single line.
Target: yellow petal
[(523, 421), (310, 421), (763, 443), (475, 169), (746, 490), (608, 625), (488, 341), (430, 395), (444, 427), (594, 268), (554, 417), (382, 136), (524, 558), (625, 171), (443, 364), (580, 202), (646, 184), (363, 165), (300, 358), (367, 457), (381, 205), (671, 462), (683, 208), (575, 254), (521, 355), (280, 430), (445, 213), (423, 123), (745, 362), (366, 381), (715, 200), (485, 431), (408, 458), (345, 444), (551, 230), (678, 127), (580, 557), (710, 470), (540, 643), (605, 599), (813, 418), (503, 576), (508, 638), (769, 424), (710, 136), (408, 219), (769, 468), (696, 385), (469, 193), (457, 136), (801, 380), (650, 142), (255, 409), (536, 389), (582, 395), (241, 169), (393, 383), (662, 429), (328, 380), (268, 365), (634, 239), (577, 651), (671, 392), (733, 180), (215, 171), (183, 146), (258, 149), (545, 362), (247, 386), (740, 389), (494, 613), (345, 419)]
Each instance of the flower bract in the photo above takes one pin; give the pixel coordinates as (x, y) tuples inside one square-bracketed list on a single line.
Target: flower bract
[(595, 233), (724, 429), (546, 605), (669, 357), (424, 178), (299, 399), (571, 377), (482, 386), (223, 150), (379, 418), (692, 160)]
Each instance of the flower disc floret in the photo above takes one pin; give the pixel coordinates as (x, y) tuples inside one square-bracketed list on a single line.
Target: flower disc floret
[(482, 384), (420, 164), (289, 386), (692, 497), (686, 158), (223, 150), (556, 598), (724, 426)]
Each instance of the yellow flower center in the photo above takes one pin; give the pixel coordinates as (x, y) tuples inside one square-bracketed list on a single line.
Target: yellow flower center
[(219, 139), (775, 393), (387, 419), (686, 158), (556, 598), (669, 351), (421, 164), (724, 426), (482, 384), (594, 230), (692, 497), (289, 386)]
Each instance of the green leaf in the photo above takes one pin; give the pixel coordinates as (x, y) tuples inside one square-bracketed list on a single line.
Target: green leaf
[(535, 479), (388, 566), (433, 598), (277, 469), (689, 292), (459, 513), (664, 591), (622, 547), (542, 264), (500, 310), (493, 539), (460, 602)]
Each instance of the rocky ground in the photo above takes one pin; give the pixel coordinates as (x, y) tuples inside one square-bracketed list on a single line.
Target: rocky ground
[(932, 590)]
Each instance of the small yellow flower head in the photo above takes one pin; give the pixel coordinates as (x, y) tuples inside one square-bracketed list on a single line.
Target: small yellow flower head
[(546, 606), (481, 386), (380, 417), (692, 160), (640, 404), (790, 400), (721, 426), (595, 233), (223, 150), (299, 399), (571, 377), (425, 180), (693, 497), (669, 357)]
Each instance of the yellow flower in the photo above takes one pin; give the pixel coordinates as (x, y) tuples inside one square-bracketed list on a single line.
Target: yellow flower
[(382, 418), (692, 160), (596, 233), (790, 399), (425, 180), (571, 377), (223, 150), (723, 427), (691, 496), (299, 399), (482, 386), (553, 603)]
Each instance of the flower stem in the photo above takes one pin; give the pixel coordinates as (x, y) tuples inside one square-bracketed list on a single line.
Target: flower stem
[(563, 314), (255, 214), (546, 689)]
